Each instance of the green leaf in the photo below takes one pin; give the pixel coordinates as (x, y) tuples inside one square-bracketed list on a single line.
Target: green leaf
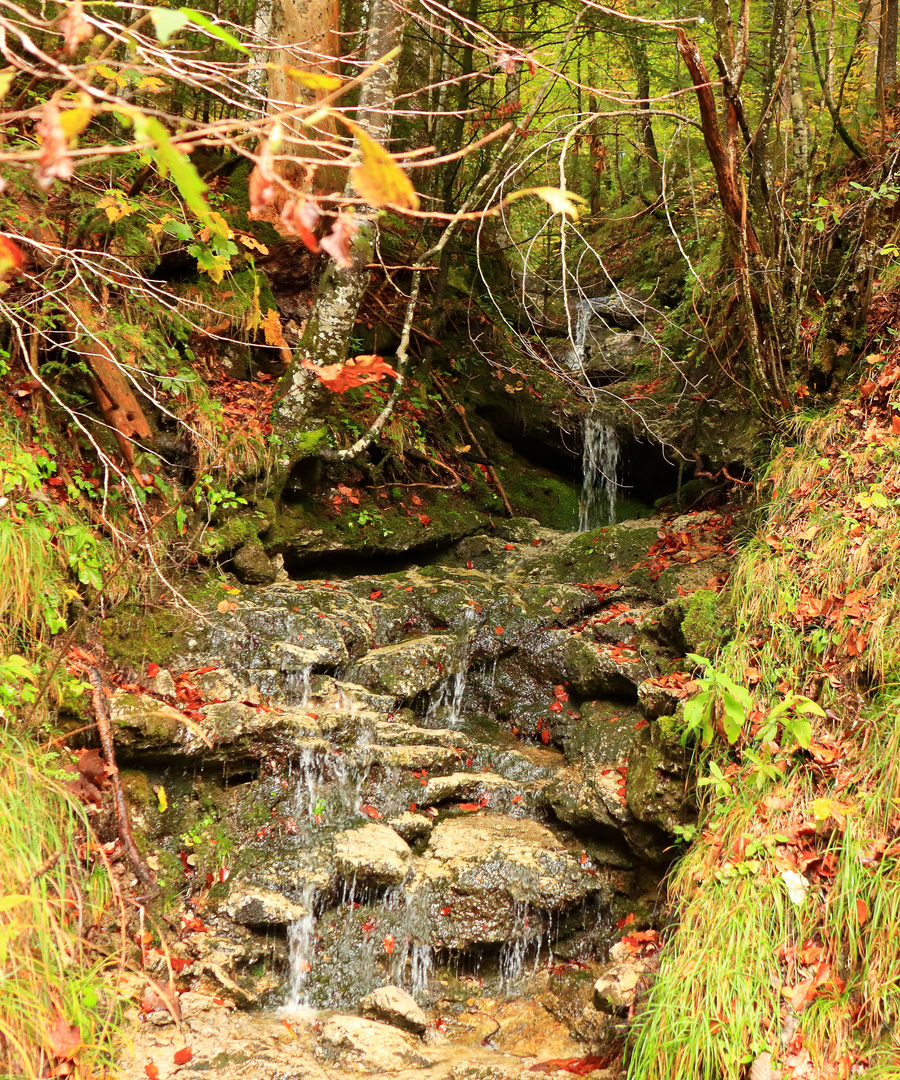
[(802, 732), (698, 661), (733, 717), (167, 22), (170, 160), (212, 28), (179, 229), (808, 706)]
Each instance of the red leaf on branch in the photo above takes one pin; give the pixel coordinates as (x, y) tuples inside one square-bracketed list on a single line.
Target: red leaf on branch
[(299, 218), (356, 372), (11, 257), (337, 242)]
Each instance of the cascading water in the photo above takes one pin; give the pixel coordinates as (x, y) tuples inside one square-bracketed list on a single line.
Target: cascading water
[(301, 947), (600, 469)]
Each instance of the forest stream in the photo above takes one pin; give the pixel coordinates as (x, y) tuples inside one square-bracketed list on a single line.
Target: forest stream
[(421, 819)]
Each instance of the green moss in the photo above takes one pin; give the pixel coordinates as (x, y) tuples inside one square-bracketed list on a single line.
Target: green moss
[(232, 533), (139, 636), (705, 627), (538, 494), (238, 196)]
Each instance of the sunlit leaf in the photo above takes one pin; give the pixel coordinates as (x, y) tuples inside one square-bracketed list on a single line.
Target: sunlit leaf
[(559, 201), (313, 80), (379, 179), (167, 22)]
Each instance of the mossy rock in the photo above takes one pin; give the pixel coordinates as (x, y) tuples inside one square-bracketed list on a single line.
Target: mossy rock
[(705, 626)]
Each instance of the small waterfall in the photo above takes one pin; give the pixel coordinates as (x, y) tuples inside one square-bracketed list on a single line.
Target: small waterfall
[(579, 338), (447, 705), (523, 951), (301, 952), (600, 467)]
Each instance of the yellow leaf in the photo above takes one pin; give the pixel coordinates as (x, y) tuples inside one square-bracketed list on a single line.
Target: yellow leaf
[(149, 82), (314, 81), (559, 201), (6, 78), (379, 179), (74, 121), (825, 808), (163, 801), (248, 241), (271, 327)]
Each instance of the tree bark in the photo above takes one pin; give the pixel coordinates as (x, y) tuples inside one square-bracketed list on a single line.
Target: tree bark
[(330, 327), (308, 30), (638, 49)]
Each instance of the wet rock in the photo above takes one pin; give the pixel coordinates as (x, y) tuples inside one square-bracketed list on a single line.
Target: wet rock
[(465, 787), (592, 669), (412, 826), (606, 734), (656, 700), (588, 795), (261, 907), (618, 987), (373, 853), (660, 788), (406, 668), (163, 683), (481, 873), (252, 565), (394, 1006), (359, 1045)]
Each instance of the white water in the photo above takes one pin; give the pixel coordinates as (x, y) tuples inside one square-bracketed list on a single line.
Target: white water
[(600, 471), (301, 952)]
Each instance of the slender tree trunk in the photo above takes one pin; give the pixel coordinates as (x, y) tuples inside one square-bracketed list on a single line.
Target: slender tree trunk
[(887, 51), (638, 49), (331, 323)]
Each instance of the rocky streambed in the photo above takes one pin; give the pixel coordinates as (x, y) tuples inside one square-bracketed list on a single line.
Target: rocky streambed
[(454, 786)]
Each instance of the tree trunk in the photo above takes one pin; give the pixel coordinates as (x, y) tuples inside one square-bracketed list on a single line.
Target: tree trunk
[(330, 327), (308, 30), (638, 49)]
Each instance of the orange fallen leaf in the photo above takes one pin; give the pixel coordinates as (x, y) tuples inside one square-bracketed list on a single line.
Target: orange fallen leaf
[(389, 944), (182, 1056)]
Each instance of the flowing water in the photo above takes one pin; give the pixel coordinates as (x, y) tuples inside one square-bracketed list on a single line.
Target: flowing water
[(600, 471)]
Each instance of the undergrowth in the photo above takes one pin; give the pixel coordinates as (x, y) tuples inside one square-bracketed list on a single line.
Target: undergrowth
[(58, 1007), (787, 904)]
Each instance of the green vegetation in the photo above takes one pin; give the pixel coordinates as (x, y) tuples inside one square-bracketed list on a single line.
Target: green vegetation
[(58, 1003)]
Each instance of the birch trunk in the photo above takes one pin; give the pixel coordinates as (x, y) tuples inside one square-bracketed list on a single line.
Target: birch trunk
[(331, 322)]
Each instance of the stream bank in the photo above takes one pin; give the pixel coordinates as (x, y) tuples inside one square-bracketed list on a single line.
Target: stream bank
[(461, 779)]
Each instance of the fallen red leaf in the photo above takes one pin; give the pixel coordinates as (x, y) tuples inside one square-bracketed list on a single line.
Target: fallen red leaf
[(182, 1056), (151, 1070), (64, 1038), (370, 811), (152, 671), (545, 736), (389, 944)]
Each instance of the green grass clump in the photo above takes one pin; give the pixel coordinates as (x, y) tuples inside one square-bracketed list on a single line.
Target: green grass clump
[(815, 602), (58, 1009)]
